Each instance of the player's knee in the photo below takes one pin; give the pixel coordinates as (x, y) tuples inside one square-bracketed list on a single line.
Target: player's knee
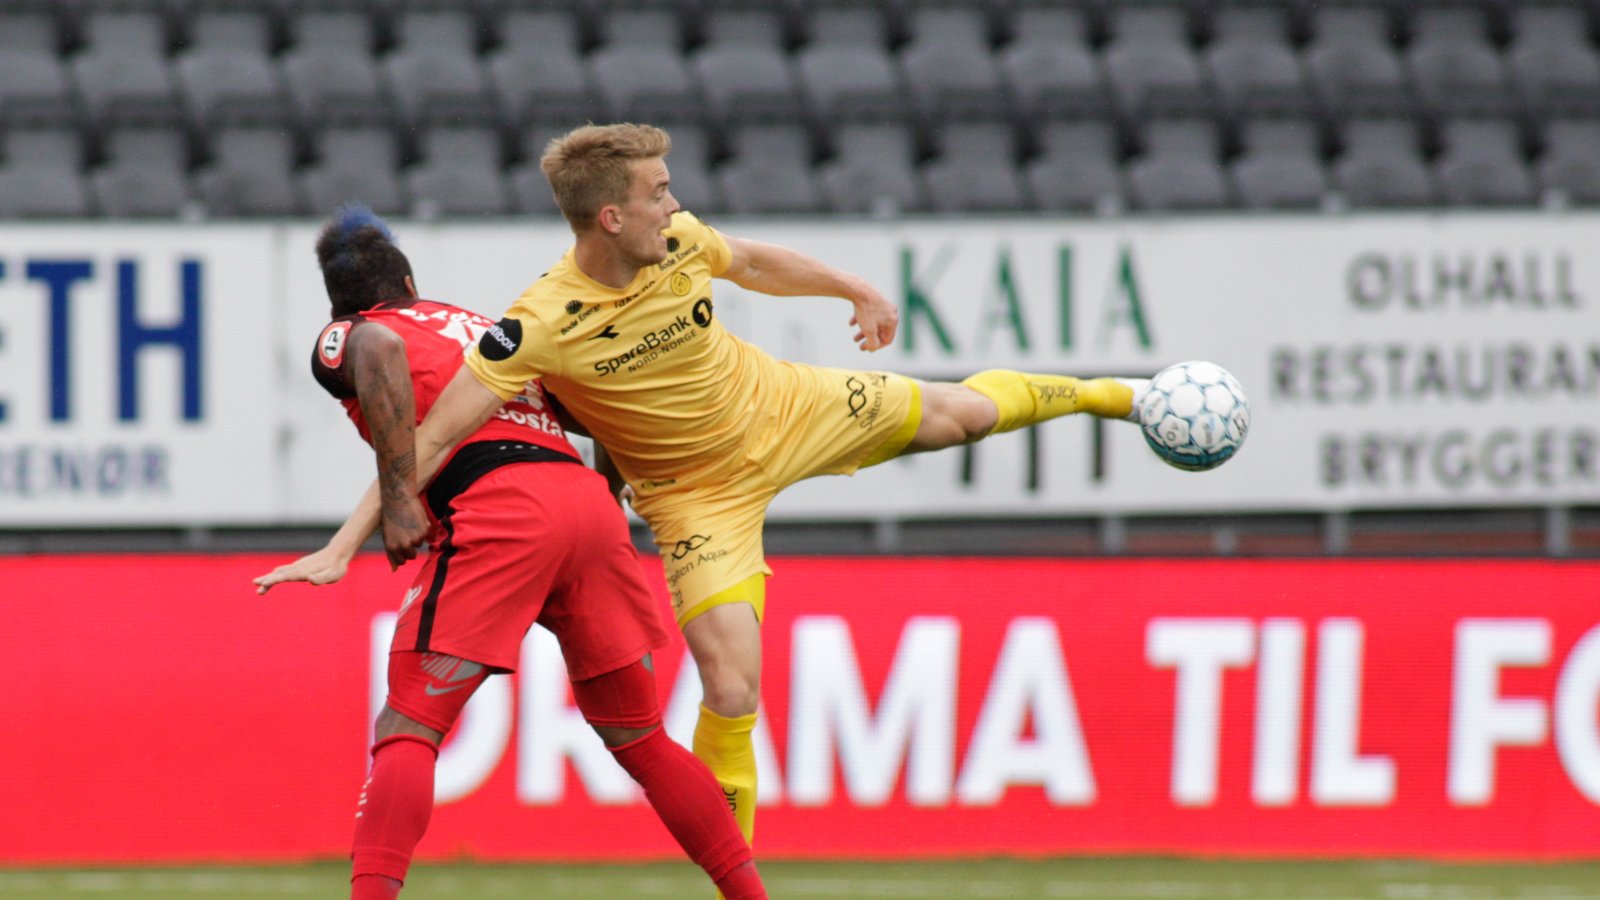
[(953, 414), (391, 722), (616, 736), (730, 692)]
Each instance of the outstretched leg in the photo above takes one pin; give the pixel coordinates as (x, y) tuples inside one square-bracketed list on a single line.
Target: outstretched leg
[(1003, 400)]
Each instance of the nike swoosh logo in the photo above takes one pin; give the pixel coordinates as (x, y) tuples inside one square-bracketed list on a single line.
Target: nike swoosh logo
[(433, 691)]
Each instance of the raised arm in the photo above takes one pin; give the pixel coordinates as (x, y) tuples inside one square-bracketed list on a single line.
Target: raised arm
[(782, 272)]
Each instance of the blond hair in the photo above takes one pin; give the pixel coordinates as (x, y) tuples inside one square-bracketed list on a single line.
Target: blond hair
[(590, 167)]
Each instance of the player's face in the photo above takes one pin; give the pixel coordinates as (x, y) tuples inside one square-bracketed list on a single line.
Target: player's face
[(648, 212)]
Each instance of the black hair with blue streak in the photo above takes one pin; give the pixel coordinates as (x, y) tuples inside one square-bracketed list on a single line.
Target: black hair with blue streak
[(361, 264)]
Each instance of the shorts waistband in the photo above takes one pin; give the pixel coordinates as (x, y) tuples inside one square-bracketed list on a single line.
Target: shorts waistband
[(473, 461)]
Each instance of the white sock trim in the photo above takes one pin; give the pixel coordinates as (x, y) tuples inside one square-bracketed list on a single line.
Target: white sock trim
[(1140, 387)]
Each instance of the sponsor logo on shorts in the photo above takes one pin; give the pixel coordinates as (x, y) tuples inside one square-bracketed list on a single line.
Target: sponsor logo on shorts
[(447, 673), (502, 339), (733, 800), (865, 402), (702, 312), (650, 348), (687, 555), (685, 547)]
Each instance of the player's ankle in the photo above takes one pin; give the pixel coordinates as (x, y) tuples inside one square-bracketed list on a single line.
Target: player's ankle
[(1140, 387)]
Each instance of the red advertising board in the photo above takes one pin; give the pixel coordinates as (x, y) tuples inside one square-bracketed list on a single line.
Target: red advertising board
[(161, 711)]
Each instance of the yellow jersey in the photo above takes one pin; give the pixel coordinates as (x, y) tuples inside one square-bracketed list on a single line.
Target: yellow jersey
[(648, 369)]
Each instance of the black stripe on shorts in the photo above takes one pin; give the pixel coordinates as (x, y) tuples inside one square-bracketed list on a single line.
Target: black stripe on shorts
[(430, 604)]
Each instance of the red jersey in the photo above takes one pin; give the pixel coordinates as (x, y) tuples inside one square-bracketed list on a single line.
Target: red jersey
[(436, 336)]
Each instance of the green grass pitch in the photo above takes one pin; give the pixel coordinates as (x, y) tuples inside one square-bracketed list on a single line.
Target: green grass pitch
[(1130, 878)]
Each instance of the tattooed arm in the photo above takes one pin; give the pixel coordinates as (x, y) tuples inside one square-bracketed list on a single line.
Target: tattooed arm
[(378, 370)]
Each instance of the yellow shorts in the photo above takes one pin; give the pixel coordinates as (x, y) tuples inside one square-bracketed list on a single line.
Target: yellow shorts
[(816, 421)]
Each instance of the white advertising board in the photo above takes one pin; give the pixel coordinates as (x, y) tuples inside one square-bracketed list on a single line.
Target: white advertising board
[(137, 375), (1392, 361)]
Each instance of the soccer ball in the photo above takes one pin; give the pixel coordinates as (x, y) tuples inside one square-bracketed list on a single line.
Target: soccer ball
[(1194, 416)]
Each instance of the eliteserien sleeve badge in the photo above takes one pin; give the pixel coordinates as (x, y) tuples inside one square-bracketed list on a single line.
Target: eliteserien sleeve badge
[(501, 340)]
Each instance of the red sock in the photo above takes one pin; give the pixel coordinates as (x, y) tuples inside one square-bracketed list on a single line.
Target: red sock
[(393, 814), (690, 803)]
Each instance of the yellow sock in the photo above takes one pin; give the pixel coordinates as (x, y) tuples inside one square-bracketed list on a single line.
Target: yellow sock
[(1026, 399), (726, 747)]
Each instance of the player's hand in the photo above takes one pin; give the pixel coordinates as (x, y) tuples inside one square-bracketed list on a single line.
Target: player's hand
[(405, 528), (322, 567), (876, 320)]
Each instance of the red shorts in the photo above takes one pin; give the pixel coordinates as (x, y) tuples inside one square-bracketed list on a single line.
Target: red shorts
[(534, 542)]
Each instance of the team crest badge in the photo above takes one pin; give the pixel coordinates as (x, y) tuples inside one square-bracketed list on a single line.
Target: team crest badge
[(681, 284)]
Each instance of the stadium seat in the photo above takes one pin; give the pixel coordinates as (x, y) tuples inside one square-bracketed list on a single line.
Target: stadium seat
[(747, 83), (866, 25), (1150, 66), (41, 174), (227, 76), (645, 84), (850, 83), (1253, 65), (769, 171), (1382, 165), (355, 163), (145, 174), (1569, 169), (1050, 70), (251, 174), (1455, 68), (950, 73), (1076, 169), (123, 74), (460, 173), (1281, 166), (434, 73), (1353, 66), (951, 26), (689, 165), (764, 28), (1179, 169), (331, 73), (975, 171), (656, 29), (1482, 165), (537, 74), (539, 27), (34, 84), (1553, 68), (873, 170)]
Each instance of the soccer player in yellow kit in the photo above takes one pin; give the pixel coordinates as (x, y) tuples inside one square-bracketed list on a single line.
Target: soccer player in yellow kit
[(705, 428)]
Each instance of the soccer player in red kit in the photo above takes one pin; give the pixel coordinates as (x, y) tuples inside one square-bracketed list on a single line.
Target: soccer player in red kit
[(523, 532)]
